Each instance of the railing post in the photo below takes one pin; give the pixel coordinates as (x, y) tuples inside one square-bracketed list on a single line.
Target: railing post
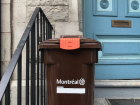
[(44, 64), (27, 71), (41, 58), (33, 65), (7, 94), (44, 85), (51, 33), (41, 79), (37, 60), (40, 26), (0, 44), (19, 85), (43, 27), (47, 29)]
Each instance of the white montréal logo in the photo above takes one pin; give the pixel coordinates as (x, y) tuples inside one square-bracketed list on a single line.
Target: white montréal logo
[(80, 81)]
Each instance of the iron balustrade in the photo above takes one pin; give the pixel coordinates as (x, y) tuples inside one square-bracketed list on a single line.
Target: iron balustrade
[(37, 30), (0, 45)]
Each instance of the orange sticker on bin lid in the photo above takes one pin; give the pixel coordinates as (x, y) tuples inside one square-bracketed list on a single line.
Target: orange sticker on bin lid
[(69, 43)]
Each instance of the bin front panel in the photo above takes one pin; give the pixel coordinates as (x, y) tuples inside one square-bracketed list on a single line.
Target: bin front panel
[(70, 76)]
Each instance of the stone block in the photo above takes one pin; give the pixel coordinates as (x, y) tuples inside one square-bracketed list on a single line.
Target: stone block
[(19, 29), (24, 63), (3, 100), (59, 2), (14, 92), (53, 13), (4, 65), (57, 13), (14, 76), (47, 3), (5, 1), (65, 28), (5, 19), (6, 46), (73, 10), (20, 1), (33, 3), (19, 14)]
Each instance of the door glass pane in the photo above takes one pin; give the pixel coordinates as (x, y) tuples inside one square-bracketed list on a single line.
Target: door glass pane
[(134, 5), (104, 5)]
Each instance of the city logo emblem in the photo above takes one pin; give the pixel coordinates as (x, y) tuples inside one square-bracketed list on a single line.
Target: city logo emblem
[(80, 81)]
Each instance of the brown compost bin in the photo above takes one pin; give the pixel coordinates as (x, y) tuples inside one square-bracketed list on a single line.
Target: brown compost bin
[(70, 72)]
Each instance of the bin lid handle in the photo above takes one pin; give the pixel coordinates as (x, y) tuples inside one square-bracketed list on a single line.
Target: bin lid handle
[(69, 43)]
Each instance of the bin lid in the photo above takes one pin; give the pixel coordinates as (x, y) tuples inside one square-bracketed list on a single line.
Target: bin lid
[(83, 42)]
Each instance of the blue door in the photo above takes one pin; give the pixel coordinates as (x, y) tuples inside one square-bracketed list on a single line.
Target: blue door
[(116, 24)]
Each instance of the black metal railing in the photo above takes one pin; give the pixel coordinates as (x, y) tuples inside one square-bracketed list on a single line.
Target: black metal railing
[(0, 44), (37, 30), (0, 40)]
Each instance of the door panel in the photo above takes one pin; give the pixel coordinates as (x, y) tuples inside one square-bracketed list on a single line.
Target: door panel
[(119, 46), (120, 55), (113, 48), (117, 71)]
